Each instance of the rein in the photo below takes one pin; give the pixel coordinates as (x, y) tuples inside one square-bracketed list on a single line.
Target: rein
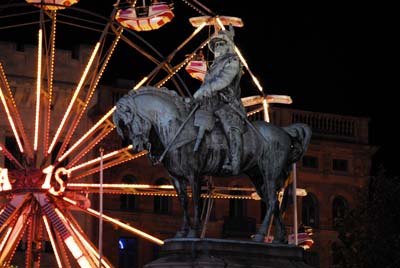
[(176, 134)]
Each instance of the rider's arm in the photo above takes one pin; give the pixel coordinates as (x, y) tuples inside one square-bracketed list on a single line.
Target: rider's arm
[(221, 79)]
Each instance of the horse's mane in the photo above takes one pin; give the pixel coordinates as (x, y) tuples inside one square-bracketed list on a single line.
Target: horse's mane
[(181, 102)]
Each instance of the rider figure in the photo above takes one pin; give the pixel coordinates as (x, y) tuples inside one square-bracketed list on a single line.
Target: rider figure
[(220, 93)]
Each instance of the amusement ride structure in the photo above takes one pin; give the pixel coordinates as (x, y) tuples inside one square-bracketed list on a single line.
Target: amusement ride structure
[(39, 192)]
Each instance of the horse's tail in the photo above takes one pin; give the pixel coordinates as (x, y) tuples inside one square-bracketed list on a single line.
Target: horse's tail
[(301, 136)]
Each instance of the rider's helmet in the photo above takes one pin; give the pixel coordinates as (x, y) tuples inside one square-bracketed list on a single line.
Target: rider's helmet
[(225, 35)]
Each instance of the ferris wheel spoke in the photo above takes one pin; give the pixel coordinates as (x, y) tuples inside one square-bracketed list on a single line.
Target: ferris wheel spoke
[(112, 220), (13, 223), (95, 134), (84, 239), (12, 112), (84, 242), (38, 87), (109, 160), (74, 98), (61, 226), (50, 55), (10, 157), (96, 65), (58, 248), (12, 208), (83, 105), (13, 235)]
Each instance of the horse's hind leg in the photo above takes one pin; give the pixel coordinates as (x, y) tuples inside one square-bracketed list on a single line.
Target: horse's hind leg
[(269, 174), (180, 188), (280, 230)]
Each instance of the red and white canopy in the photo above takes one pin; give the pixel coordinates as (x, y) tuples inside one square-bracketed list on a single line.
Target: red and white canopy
[(152, 18)]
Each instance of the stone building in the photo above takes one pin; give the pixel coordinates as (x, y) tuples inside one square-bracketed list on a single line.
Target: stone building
[(336, 165)]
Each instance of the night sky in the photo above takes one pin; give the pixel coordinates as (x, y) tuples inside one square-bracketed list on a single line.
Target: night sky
[(328, 58)]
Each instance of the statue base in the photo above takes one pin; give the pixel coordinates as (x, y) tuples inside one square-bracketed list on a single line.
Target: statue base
[(215, 253)]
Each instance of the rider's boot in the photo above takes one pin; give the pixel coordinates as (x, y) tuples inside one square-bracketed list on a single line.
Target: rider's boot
[(235, 151)]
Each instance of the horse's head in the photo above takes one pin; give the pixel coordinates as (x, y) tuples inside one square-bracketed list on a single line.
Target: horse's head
[(130, 125)]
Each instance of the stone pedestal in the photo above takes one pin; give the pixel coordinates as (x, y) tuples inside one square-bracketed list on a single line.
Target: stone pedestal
[(221, 253)]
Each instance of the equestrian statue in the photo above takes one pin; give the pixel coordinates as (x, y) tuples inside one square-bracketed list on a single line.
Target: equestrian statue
[(210, 135)]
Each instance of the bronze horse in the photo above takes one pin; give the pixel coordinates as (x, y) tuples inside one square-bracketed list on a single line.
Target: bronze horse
[(151, 117)]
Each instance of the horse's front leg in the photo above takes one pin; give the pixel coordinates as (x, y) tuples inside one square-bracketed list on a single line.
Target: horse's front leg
[(180, 188), (196, 191)]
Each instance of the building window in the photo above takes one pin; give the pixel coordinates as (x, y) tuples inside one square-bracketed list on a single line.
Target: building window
[(75, 52), (20, 47), (339, 210), (340, 165), (310, 161), (310, 210), (128, 201), (128, 252), (162, 204)]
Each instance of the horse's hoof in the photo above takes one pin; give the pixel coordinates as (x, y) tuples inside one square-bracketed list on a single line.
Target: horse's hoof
[(258, 238), (192, 234), (280, 239)]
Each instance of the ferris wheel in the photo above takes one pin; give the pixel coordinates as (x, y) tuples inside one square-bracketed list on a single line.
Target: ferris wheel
[(53, 145)]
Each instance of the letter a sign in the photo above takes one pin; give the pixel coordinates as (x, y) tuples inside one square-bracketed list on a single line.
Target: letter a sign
[(4, 182)]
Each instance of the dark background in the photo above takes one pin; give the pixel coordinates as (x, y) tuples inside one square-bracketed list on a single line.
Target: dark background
[(332, 57)]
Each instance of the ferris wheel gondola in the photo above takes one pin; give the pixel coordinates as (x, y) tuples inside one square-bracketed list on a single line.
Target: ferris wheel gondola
[(197, 67), (145, 18), (52, 4), (225, 20)]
